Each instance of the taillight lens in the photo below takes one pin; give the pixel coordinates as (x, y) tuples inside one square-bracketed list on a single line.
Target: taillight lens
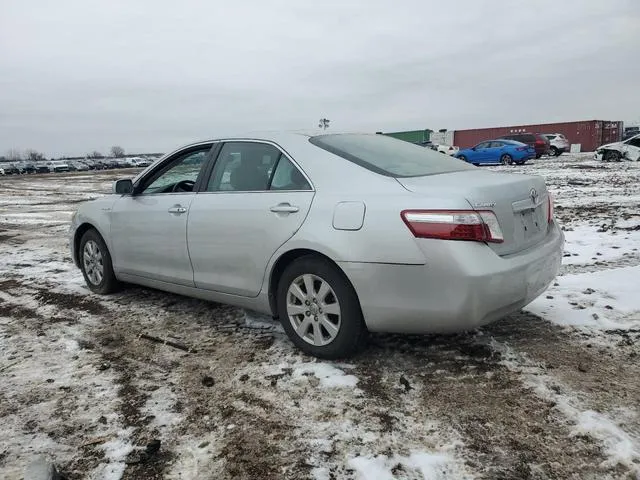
[(549, 208), (522, 149), (470, 225)]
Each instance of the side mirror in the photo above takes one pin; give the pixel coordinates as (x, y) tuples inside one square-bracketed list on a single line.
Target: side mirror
[(123, 187)]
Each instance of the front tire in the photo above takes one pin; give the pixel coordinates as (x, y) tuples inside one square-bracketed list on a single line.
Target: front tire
[(612, 156), (319, 309), (462, 157), (95, 263)]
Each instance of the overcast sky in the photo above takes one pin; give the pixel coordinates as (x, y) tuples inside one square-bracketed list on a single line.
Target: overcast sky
[(79, 75)]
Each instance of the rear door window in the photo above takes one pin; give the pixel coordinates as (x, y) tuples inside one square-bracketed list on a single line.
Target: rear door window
[(388, 156)]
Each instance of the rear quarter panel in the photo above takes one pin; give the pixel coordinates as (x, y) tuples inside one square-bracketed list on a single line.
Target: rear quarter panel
[(383, 237)]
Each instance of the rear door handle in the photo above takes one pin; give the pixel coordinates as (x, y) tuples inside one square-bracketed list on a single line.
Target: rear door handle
[(177, 209), (284, 208)]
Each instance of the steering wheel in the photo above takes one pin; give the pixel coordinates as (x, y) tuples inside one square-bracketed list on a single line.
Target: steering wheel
[(183, 186)]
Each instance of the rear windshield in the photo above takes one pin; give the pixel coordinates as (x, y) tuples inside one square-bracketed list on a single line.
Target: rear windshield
[(389, 156)]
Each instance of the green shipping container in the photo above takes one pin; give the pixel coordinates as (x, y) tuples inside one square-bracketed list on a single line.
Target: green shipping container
[(413, 136)]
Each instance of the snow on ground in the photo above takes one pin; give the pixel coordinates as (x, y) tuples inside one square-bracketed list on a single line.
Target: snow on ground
[(607, 299), (587, 244), (547, 393)]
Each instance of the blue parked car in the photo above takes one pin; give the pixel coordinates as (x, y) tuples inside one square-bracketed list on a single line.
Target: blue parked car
[(505, 152)]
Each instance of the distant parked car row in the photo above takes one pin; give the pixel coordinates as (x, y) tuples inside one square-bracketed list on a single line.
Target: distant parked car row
[(58, 166)]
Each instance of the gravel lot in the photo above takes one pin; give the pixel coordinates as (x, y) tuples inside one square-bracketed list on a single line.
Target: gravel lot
[(551, 392)]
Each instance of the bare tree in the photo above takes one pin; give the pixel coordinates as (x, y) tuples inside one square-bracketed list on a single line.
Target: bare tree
[(34, 155), (117, 152), (14, 155), (324, 123), (96, 154)]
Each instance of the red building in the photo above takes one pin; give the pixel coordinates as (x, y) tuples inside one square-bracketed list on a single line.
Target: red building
[(590, 134)]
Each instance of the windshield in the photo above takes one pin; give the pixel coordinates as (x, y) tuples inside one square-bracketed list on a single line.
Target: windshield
[(389, 156)]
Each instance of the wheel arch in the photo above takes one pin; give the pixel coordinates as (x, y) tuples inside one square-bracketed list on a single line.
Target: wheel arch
[(80, 231), (285, 260)]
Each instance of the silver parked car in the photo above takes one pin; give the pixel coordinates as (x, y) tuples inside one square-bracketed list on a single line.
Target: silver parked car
[(335, 234)]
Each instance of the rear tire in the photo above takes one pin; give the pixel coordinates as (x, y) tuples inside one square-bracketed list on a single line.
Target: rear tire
[(506, 159), (95, 263), (554, 152), (538, 155), (319, 309)]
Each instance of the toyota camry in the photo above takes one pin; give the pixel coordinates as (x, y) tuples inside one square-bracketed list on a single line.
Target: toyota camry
[(333, 234)]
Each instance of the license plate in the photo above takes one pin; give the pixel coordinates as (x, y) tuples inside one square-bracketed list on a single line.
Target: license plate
[(530, 224)]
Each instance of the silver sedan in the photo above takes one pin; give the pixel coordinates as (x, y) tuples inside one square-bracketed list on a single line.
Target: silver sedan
[(334, 234)]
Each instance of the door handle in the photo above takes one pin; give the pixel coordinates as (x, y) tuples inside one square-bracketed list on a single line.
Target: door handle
[(177, 209), (284, 208)]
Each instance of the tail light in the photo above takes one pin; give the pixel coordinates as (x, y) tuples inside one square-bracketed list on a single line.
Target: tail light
[(549, 208), (470, 225), (539, 141), (522, 149)]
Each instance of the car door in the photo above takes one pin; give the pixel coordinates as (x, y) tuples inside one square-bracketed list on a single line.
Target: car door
[(254, 200), (481, 154), (149, 227), (631, 148), (495, 151)]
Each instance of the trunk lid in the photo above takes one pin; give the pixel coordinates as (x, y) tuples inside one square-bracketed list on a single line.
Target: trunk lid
[(518, 201)]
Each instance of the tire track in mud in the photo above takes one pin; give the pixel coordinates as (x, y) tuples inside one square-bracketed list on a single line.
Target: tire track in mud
[(590, 374), (507, 429), (93, 321)]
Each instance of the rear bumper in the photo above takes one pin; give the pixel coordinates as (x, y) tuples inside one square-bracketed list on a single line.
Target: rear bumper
[(462, 286)]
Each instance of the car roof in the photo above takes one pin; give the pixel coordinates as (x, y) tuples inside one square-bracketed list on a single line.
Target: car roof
[(326, 170)]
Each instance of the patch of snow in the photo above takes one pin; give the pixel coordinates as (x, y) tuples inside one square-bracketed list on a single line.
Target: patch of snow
[(115, 452), (606, 299), (161, 404), (585, 245), (430, 466), (329, 376), (619, 446), (372, 468), (260, 321), (321, 473)]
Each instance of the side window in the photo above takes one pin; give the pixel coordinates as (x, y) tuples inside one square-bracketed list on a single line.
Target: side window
[(180, 175), (243, 167), (634, 142), (482, 145), (288, 177), (497, 144)]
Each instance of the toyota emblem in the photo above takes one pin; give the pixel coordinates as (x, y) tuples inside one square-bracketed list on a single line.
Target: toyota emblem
[(533, 194)]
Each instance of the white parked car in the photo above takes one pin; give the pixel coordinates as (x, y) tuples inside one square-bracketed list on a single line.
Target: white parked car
[(1, 171), (447, 149), (615, 152), (558, 144), (55, 167)]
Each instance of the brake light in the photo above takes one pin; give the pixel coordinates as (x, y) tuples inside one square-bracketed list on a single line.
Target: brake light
[(539, 141), (522, 149), (549, 208), (470, 225)]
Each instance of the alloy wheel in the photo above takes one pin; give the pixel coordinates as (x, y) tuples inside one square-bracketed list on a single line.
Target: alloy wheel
[(313, 309), (92, 261)]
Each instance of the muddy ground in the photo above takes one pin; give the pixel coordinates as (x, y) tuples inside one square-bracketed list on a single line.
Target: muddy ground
[(524, 398)]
